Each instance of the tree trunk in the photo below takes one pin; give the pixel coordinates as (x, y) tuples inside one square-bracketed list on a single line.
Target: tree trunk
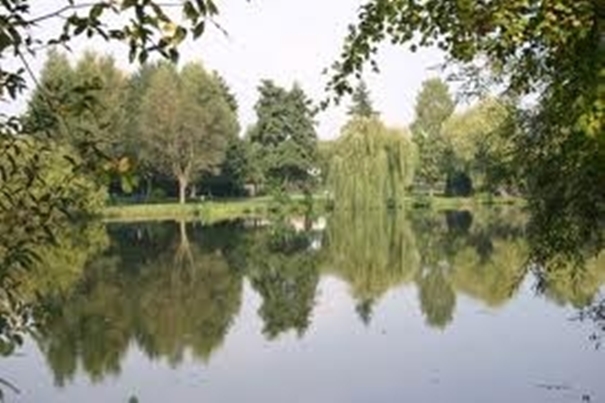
[(182, 189), (148, 188)]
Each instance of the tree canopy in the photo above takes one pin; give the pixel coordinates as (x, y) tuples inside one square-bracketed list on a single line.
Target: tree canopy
[(481, 142)]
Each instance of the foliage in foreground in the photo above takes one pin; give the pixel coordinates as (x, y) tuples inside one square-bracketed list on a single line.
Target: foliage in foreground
[(41, 189)]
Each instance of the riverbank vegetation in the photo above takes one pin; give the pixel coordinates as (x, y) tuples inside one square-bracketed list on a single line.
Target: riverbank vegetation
[(162, 133)]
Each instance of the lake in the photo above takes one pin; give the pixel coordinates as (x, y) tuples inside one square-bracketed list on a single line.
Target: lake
[(416, 307)]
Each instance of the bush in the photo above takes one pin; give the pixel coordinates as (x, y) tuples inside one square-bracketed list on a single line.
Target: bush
[(458, 184)]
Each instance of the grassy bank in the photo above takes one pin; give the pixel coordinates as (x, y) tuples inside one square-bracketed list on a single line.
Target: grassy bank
[(453, 203), (215, 211), (208, 212)]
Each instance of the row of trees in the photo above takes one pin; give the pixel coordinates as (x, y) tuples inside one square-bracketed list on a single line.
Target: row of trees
[(163, 125)]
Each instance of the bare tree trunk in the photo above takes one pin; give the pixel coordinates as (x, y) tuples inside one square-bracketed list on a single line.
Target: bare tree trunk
[(182, 189)]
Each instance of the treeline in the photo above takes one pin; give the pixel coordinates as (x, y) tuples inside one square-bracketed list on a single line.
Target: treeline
[(164, 132), (442, 152)]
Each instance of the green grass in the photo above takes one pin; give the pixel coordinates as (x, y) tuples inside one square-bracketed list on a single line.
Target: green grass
[(215, 211), (447, 203), (204, 211), (208, 212)]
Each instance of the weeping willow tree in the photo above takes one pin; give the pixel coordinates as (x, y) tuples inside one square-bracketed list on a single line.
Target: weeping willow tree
[(372, 165)]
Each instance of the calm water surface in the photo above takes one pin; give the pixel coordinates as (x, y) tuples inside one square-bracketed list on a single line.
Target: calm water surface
[(423, 308)]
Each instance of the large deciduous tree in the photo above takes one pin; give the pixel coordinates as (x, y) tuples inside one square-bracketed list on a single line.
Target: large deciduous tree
[(185, 123), (285, 135)]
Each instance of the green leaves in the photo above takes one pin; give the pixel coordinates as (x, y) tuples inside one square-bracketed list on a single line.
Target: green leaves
[(530, 38), (199, 29)]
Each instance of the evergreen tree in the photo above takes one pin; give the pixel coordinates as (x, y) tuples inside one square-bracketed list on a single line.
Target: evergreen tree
[(362, 104), (285, 135), (100, 124)]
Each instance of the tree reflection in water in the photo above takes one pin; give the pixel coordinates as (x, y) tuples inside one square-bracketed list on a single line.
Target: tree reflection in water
[(283, 270), (175, 289), (373, 251), (181, 298)]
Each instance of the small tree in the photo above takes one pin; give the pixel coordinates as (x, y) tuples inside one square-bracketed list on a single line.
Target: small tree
[(362, 103)]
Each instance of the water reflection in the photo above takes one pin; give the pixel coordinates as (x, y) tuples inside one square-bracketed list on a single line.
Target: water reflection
[(283, 270), (174, 289), (180, 295), (373, 252)]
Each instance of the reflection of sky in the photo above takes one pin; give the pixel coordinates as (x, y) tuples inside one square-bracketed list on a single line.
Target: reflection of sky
[(482, 356)]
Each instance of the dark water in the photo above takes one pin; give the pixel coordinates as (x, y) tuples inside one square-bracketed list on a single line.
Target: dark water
[(434, 307)]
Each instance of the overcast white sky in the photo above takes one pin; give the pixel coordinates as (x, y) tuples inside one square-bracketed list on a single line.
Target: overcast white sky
[(287, 41)]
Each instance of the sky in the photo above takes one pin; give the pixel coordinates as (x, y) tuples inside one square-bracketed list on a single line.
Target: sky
[(288, 41)]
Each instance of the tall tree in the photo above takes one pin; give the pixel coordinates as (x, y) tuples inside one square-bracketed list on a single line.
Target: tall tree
[(185, 123), (233, 170), (285, 132), (226, 91), (433, 106), (362, 102)]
